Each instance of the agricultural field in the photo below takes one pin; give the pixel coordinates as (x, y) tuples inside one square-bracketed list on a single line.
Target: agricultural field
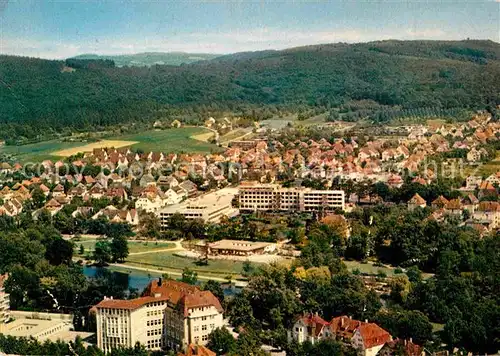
[(91, 146), (172, 140), (36, 152)]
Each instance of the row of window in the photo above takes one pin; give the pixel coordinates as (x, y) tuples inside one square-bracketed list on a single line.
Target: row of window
[(204, 327), (154, 322)]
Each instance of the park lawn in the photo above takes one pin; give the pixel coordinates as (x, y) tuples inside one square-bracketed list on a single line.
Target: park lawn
[(169, 260), (133, 246), (170, 140), (368, 268)]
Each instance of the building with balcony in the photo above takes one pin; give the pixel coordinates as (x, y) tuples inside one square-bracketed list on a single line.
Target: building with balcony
[(258, 197)]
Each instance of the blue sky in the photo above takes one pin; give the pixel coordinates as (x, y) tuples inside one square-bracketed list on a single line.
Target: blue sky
[(59, 29)]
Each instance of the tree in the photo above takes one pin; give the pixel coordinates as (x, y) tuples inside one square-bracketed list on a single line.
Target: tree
[(38, 198), (82, 249), (406, 324), (59, 251), (119, 248), (102, 252), (149, 225), (189, 276), (221, 341), (248, 268), (215, 288)]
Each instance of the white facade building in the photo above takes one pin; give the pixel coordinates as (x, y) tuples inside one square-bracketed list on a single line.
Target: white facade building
[(209, 207), (273, 197), (4, 300), (169, 314)]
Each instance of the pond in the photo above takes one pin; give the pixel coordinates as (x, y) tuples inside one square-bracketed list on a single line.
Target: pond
[(135, 279)]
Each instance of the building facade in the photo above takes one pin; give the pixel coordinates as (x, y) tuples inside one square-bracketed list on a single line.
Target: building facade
[(209, 207), (273, 197), (169, 314), (4, 300)]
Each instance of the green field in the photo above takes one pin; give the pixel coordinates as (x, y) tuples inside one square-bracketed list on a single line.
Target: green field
[(171, 140), (133, 246), (167, 260), (37, 152)]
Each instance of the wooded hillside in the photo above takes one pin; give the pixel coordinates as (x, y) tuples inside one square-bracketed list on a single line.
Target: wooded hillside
[(37, 96)]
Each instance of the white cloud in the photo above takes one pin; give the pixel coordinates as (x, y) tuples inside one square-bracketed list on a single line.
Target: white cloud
[(216, 42)]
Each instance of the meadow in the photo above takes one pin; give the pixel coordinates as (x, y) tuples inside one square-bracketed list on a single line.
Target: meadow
[(172, 140)]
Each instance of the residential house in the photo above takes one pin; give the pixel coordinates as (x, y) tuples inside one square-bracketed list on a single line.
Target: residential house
[(190, 188), (402, 347), (439, 203), (473, 155), (119, 216), (58, 190), (369, 338), (309, 327), (167, 182), (453, 207), (416, 201), (488, 213)]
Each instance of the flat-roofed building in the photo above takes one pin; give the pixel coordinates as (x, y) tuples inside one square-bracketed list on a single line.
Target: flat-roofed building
[(42, 326), (209, 207), (169, 314), (273, 197), (237, 247)]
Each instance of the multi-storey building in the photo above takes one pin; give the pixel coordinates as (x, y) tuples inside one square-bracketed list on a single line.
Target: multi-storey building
[(169, 314), (209, 207), (4, 300), (273, 197)]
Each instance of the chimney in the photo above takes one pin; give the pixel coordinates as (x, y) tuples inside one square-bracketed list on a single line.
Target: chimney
[(366, 321), (341, 322), (159, 282), (411, 340)]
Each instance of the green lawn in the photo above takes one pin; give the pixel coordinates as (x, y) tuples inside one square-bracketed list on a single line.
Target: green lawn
[(133, 246), (168, 260), (368, 268), (170, 140)]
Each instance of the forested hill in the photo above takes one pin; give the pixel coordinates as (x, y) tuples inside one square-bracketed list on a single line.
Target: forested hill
[(39, 95), (148, 59)]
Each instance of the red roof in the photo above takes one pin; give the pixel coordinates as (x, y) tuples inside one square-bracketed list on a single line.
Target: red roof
[(373, 335), (344, 326), (182, 294)]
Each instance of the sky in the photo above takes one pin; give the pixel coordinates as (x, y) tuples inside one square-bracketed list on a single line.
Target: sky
[(61, 29)]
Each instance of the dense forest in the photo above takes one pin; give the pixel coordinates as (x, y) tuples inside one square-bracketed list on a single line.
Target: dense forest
[(38, 96)]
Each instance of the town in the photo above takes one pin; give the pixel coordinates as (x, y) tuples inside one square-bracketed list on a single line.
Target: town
[(329, 239)]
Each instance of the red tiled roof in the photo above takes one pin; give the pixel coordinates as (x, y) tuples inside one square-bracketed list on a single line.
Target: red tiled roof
[(373, 335), (197, 350), (408, 347), (344, 326), (417, 199), (182, 294)]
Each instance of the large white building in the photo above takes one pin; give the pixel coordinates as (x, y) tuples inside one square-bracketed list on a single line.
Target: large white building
[(4, 300), (209, 207), (273, 197), (169, 314)]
